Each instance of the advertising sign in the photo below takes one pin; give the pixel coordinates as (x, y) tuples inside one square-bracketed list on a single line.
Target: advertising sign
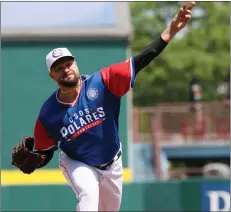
[(215, 197)]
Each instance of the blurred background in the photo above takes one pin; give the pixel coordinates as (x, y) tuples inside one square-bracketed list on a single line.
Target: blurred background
[(174, 125)]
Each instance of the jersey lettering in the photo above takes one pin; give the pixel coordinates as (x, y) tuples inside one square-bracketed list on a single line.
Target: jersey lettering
[(79, 125)]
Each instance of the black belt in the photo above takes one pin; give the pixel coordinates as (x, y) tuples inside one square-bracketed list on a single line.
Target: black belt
[(107, 165)]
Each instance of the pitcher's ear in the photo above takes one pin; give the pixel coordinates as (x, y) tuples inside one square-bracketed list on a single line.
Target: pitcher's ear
[(51, 75)]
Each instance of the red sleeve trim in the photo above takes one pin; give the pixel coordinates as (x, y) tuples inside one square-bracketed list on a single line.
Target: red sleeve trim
[(119, 78), (42, 139)]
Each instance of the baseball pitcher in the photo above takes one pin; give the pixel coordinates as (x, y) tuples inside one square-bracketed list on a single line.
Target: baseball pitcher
[(81, 118)]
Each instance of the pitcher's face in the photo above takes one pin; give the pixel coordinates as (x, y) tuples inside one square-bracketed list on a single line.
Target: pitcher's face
[(65, 72)]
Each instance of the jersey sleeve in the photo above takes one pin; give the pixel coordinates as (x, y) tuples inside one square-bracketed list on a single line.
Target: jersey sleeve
[(42, 140), (119, 78)]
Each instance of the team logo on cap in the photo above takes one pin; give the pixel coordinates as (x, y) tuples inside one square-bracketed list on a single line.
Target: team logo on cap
[(57, 53), (92, 93)]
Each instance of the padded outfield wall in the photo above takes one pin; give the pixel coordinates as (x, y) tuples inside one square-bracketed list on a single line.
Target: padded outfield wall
[(198, 195)]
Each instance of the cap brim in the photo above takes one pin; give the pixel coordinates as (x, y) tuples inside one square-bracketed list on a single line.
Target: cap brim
[(58, 59)]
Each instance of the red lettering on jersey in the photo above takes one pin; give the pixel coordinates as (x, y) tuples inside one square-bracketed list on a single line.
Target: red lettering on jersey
[(82, 130)]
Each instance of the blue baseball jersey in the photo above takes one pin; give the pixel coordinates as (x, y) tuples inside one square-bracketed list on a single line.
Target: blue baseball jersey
[(87, 129)]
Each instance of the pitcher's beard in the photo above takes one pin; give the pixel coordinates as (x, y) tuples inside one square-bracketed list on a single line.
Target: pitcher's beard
[(69, 83)]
